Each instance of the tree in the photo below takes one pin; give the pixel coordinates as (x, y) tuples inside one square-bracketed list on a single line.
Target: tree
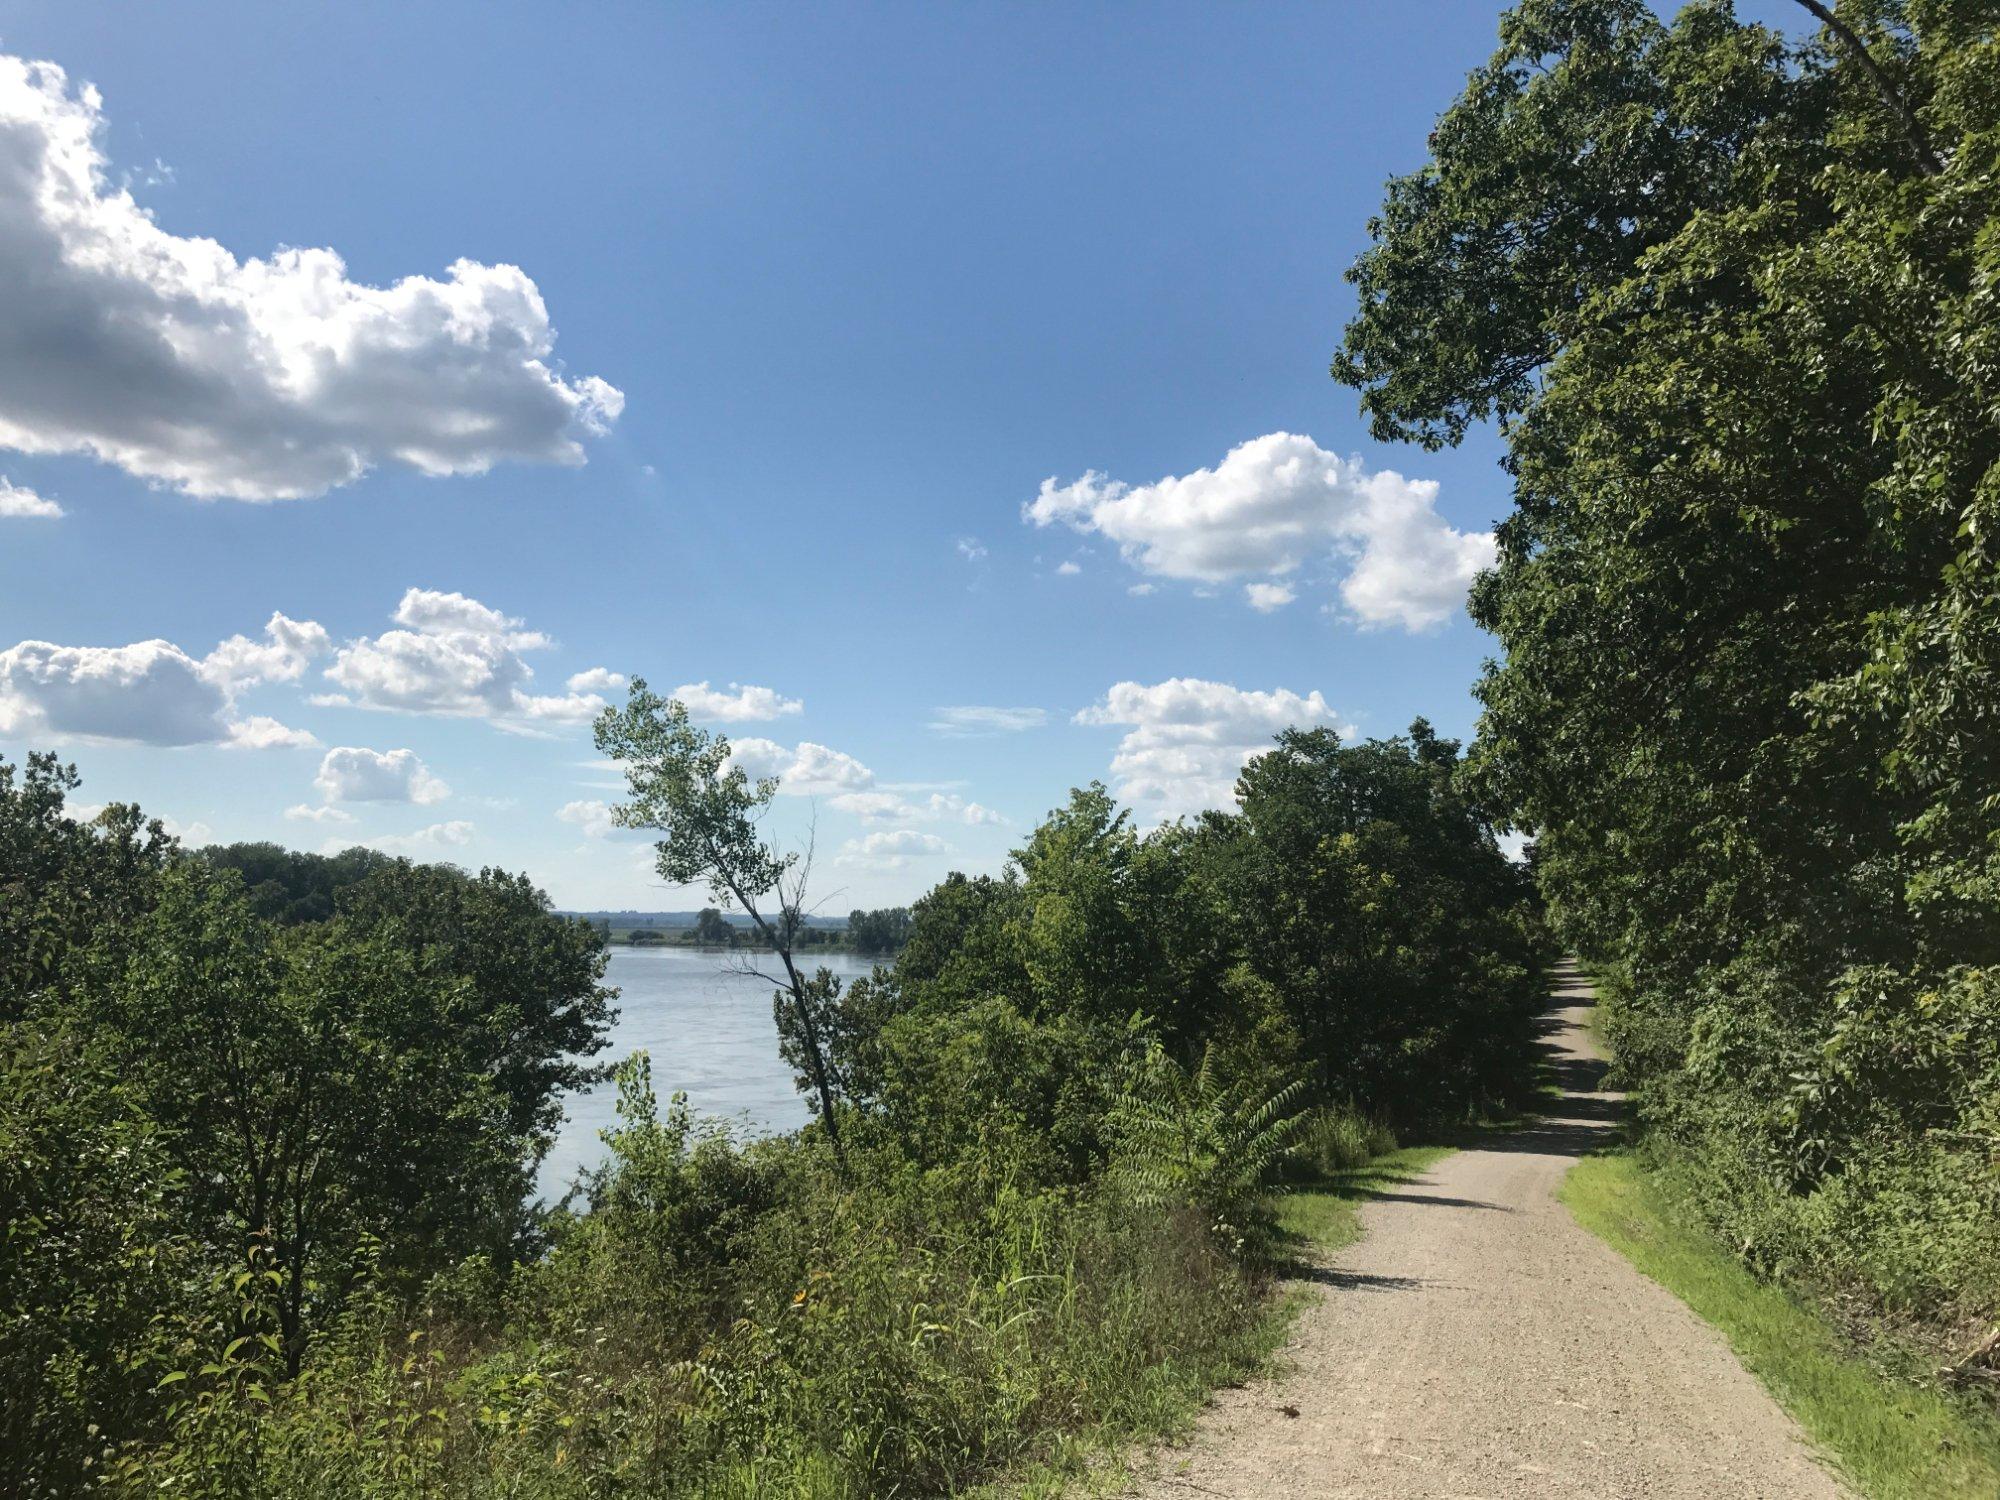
[(536, 1010), (1374, 899), (317, 1087), (290, 886), (712, 929), (681, 782), (95, 1258), (884, 931), (1733, 299), (69, 890)]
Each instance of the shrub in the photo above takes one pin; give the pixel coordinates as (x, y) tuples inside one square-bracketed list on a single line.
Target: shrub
[(1196, 1140)]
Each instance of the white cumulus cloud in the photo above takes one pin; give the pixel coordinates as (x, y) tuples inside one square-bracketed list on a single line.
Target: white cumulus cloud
[(950, 806), (592, 816), (288, 648), (890, 851), (741, 703), (1277, 504), (452, 835), (350, 773), (805, 770), (1265, 597), (21, 502), (1187, 739), (192, 834), (262, 732), (260, 379), (887, 806), (149, 692), (456, 656), (305, 812), (876, 807), (597, 680)]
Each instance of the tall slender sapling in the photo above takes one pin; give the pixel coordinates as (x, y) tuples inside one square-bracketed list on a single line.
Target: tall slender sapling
[(681, 782)]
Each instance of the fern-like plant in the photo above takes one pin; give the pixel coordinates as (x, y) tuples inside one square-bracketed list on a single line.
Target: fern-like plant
[(1197, 1139)]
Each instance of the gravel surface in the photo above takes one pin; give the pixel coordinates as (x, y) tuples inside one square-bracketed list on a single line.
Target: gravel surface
[(1477, 1343)]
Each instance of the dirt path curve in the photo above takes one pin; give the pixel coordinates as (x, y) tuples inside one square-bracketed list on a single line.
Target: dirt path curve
[(1477, 1343)]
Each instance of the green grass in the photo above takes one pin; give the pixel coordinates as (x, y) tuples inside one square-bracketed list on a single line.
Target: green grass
[(1321, 1215), (1326, 1213), (1892, 1440)]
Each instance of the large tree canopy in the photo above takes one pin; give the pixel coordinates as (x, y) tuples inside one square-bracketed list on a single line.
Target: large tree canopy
[(1733, 300)]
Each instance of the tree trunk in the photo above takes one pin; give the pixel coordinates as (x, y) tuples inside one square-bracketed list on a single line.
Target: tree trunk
[(804, 1013)]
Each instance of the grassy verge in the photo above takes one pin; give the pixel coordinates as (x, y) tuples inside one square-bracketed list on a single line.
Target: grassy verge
[(1326, 1214), (1312, 1217), (1892, 1440)]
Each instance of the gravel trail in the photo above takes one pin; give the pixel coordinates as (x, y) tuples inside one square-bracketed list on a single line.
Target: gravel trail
[(1477, 1344)]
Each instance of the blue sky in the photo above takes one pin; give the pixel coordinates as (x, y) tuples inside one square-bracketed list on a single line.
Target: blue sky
[(832, 292)]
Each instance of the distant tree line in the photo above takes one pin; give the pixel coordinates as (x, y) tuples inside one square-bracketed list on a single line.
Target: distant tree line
[(873, 932), (883, 931)]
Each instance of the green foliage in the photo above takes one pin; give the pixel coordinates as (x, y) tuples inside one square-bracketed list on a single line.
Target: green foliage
[(681, 781), (1402, 947), (68, 890), (288, 886), (672, 1213), (94, 1252), (884, 931), (316, 1085), (1064, 1107), (1196, 1138), (536, 1010), (1338, 1139), (1742, 331), (180, 1077)]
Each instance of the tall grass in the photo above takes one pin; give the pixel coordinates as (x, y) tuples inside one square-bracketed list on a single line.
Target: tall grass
[(896, 1331)]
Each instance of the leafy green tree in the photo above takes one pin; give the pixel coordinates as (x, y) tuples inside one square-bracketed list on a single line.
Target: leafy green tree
[(315, 1087), (69, 890), (960, 948), (961, 936), (680, 782), (712, 929), (537, 1007), (290, 886), (884, 931), (1375, 900), (94, 1260), (1732, 298)]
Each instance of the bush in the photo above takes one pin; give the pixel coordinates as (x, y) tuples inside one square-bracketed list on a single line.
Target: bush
[(1195, 1140), (903, 1337), (1338, 1138), (92, 1262)]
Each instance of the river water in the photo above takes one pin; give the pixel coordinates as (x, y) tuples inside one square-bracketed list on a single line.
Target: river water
[(710, 1034)]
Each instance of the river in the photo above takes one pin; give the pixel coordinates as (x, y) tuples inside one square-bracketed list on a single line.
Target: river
[(711, 1036)]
